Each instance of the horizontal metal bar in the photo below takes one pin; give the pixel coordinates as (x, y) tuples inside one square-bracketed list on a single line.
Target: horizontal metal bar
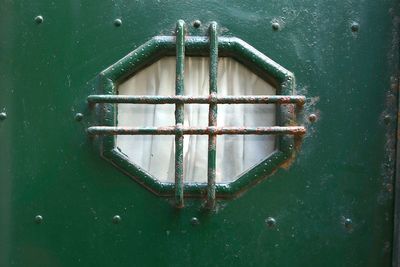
[(174, 130), (177, 99)]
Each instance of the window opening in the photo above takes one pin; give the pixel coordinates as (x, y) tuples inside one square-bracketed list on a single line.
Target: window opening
[(215, 101)]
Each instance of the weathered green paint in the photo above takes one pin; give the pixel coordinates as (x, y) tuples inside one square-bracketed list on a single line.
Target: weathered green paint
[(343, 169)]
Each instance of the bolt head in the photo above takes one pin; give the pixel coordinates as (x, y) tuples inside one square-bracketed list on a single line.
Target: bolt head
[(3, 116), (386, 119), (196, 23), (355, 27), (78, 116), (348, 223), (118, 22), (312, 117), (194, 221), (38, 19), (38, 219), (116, 219), (271, 222), (275, 26)]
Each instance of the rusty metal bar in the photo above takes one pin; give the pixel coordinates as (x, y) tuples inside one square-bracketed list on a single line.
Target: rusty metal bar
[(183, 99), (212, 116), (180, 130), (179, 111)]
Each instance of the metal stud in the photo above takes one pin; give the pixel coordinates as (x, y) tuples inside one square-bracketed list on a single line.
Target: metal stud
[(386, 119), (312, 117), (39, 19), (194, 221), (196, 23), (3, 116), (116, 219), (38, 219), (275, 26), (78, 116), (271, 222), (348, 223), (355, 27), (117, 22)]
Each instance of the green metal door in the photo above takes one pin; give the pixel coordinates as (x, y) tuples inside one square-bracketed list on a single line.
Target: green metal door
[(329, 202)]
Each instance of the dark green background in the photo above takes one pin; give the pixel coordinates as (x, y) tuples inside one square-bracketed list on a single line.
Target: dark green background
[(344, 168)]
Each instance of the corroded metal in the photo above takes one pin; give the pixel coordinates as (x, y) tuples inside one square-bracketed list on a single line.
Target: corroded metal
[(179, 111), (181, 130), (183, 99), (212, 116)]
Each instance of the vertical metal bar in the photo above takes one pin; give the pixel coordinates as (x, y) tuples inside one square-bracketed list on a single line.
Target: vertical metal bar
[(179, 111), (212, 115)]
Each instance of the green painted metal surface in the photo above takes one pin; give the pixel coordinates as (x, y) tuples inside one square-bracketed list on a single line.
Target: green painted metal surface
[(344, 168)]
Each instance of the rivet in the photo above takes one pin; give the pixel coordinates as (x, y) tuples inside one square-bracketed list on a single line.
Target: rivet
[(312, 117), (271, 222), (78, 116), (389, 187), (348, 223), (275, 26), (117, 22), (3, 116), (194, 221), (38, 19), (116, 219), (386, 119), (196, 23), (38, 219), (355, 27)]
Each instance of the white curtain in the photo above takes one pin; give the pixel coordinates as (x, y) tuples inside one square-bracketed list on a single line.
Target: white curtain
[(235, 153)]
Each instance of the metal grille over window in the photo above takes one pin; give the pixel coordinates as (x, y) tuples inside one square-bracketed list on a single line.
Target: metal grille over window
[(215, 99)]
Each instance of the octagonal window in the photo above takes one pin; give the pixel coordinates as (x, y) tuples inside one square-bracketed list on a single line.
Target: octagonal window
[(196, 115), (235, 153)]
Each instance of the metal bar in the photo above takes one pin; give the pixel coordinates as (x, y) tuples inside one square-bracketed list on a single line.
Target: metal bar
[(179, 111), (212, 116), (183, 99), (179, 130)]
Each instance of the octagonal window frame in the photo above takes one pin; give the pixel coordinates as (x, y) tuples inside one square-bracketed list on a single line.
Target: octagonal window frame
[(161, 46)]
